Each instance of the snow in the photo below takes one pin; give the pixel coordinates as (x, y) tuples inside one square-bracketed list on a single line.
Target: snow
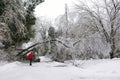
[(104, 69)]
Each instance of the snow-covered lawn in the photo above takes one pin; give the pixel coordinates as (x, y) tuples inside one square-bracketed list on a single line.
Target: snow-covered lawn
[(85, 70)]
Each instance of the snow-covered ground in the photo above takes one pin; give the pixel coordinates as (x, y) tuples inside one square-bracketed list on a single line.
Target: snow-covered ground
[(45, 70)]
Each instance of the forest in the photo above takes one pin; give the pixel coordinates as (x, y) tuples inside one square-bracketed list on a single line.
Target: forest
[(90, 31)]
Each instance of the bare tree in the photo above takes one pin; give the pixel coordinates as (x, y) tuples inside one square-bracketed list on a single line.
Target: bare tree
[(103, 18), (41, 29)]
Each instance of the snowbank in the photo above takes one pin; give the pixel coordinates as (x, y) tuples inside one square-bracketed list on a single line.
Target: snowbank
[(105, 69)]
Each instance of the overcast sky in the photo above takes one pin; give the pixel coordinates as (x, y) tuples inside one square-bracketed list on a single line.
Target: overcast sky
[(52, 8)]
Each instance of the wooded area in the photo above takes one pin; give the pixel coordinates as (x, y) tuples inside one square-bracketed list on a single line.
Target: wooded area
[(90, 30)]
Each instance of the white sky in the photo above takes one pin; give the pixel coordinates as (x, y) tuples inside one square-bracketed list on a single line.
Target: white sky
[(52, 8)]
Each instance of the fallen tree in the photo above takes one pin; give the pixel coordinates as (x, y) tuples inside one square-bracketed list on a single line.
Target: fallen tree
[(30, 48)]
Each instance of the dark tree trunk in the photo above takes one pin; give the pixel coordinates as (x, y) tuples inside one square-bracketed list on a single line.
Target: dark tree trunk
[(112, 41), (113, 48)]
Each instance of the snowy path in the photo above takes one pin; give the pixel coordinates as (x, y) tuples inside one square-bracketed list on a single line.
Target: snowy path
[(87, 70)]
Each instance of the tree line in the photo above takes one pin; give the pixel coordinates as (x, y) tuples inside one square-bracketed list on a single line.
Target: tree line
[(92, 30)]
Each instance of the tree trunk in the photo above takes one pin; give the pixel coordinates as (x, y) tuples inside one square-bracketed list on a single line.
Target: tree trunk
[(112, 41), (112, 51)]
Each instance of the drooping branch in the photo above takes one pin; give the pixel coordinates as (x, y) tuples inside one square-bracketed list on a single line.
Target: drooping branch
[(31, 47), (61, 43), (76, 42)]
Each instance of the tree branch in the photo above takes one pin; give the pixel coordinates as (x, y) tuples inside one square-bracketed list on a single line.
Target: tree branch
[(27, 49)]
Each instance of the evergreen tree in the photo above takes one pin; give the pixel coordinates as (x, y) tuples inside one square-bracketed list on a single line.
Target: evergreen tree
[(19, 18), (2, 6), (53, 45)]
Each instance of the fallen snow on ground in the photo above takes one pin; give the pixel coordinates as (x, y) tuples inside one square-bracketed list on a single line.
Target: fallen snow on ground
[(105, 69)]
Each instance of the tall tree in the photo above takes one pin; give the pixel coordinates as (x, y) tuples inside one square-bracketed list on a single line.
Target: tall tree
[(52, 44), (104, 19), (19, 18)]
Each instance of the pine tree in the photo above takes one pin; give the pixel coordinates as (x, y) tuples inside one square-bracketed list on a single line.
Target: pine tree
[(19, 18), (2, 6), (53, 45)]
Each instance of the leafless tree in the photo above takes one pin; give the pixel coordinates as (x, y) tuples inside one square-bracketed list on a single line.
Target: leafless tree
[(104, 17)]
